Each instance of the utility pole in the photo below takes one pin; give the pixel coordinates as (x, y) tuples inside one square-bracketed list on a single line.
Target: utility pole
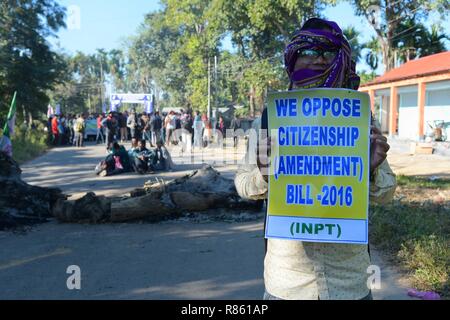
[(215, 89), (89, 101), (209, 89), (101, 86)]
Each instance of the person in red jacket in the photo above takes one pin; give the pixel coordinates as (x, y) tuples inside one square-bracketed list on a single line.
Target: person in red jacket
[(55, 131), (100, 129)]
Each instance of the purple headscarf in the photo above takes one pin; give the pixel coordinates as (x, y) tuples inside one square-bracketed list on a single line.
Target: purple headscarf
[(340, 73)]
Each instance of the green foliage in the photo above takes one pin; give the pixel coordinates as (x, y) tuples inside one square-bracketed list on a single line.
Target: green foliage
[(242, 112), (374, 50), (352, 36), (423, 182), (429, 258), (29, 143), (416, 233), (27, 64), (367, 77), (394, 15), (179, 41)]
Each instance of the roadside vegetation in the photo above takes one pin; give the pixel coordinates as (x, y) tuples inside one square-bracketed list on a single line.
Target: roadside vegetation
[(29, 143), (414, 231)]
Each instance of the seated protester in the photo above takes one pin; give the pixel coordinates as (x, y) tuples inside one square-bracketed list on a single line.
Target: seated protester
[(134, 145), (163, 158), (142, 158), (121, 159), (106, 167)]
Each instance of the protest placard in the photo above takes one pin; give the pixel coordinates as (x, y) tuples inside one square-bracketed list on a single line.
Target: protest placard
[(319, 165)]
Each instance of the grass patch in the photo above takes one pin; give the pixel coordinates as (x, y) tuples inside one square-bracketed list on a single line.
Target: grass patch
[(415, 229), (422, 182), (29, 143)]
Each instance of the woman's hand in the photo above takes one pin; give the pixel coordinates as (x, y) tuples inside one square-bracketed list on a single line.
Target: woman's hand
[(263, 156), (378, 148)]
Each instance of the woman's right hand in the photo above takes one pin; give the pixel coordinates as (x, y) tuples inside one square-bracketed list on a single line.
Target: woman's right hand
[(263, 156)]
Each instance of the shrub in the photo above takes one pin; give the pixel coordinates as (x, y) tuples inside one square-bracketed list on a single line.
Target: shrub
[(29, 143)]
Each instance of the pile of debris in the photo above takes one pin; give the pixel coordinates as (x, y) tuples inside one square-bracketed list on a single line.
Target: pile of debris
[(203, 190), (21, 203)]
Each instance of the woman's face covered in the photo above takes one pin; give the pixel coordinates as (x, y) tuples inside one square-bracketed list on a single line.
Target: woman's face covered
[(320, 57)]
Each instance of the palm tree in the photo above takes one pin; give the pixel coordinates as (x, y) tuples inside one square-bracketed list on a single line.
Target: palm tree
[(433, 42), (372, 56), (352, 36)]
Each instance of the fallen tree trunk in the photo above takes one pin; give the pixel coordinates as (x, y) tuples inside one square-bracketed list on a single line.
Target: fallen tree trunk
[(21, 203), (200, 191)]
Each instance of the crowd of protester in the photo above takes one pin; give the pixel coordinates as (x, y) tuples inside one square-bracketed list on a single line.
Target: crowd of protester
[(150, 135)]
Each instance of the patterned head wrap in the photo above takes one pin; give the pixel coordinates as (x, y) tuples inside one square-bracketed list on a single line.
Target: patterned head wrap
[(339, 74)]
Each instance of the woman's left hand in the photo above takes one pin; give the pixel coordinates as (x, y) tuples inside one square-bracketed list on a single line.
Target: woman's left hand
[(378, 148)]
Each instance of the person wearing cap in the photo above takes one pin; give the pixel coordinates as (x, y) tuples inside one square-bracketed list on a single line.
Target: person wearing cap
[(318, 56)]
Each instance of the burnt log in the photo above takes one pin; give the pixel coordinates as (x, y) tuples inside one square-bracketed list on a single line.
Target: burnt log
[(200, 191), (21, 203)]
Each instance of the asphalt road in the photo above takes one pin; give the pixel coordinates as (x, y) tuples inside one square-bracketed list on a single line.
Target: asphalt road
[(189, 258)]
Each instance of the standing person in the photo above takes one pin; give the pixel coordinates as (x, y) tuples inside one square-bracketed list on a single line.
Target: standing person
[(186, 133), (112, 126), (207, 133), (55, 130), (155, 127), (79, 128), (122, 118), (61, 128), (100, 129), (220, 127), (197, 125), (296, 270), (71, 133), (235, 125), (134, 124), (146, 132), (170, 124)]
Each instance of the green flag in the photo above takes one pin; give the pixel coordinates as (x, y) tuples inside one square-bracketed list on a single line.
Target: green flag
[(8, 131), (10, 121)]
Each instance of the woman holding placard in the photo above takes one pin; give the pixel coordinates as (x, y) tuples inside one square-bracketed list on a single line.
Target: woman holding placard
[(318, 56)]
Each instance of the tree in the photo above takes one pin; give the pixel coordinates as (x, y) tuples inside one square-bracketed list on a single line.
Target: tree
[(433, 42), (260, 30), (27, 64), (352, 36), (392, 13), (373, 53)]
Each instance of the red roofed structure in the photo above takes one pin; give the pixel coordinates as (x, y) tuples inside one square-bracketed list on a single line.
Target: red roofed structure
[(407, 99)]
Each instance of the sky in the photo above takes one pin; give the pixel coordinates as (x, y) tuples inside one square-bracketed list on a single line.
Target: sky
[(108, 23)]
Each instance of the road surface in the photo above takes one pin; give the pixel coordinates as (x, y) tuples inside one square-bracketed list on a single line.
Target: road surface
[(188, 258)]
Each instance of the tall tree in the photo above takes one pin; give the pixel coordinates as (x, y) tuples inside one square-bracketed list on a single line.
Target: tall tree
[(352, 36), (260, 29), (386, 15), (373, 53), (28, 65)]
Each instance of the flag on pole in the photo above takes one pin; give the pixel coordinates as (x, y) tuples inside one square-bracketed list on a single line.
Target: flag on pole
[(8, 131), (152, 105), (49, 111), (114, 107), (58, 110), (104, 108)]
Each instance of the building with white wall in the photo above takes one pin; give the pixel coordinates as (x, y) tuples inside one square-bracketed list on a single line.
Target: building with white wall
[(408, 100)]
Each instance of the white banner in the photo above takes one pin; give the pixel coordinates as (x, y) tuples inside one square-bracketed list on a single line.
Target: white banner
[(117, 98)]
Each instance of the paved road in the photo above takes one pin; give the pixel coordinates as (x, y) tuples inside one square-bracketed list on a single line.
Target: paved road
[(182, 259)]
